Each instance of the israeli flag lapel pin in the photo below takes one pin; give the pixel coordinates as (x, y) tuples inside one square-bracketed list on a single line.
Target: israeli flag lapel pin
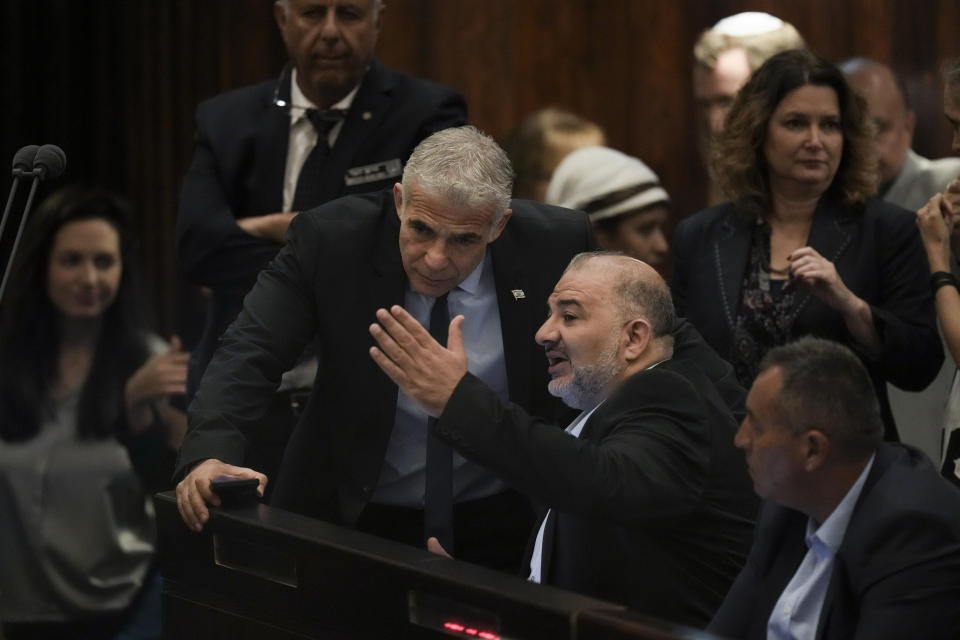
[(518, 294)]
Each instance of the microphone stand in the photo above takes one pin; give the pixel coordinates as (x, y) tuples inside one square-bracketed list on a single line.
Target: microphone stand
[(23, 223), (6, 210), (48, 161), (23, 160)]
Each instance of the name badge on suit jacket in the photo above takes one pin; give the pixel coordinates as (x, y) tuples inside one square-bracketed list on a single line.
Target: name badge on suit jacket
[(373, 172)]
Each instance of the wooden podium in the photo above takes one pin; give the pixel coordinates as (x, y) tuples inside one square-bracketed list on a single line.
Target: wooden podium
[(259, 572)]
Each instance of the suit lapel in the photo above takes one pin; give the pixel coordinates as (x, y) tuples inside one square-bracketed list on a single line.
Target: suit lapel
[(731, 251), (272, 140), (848, 566), (784, 558), (516, 320), (829, 236), (389, 279), (388, 286), (833, 622), (368, 108)]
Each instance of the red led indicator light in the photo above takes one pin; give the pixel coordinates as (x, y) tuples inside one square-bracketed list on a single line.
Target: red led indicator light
[(469, 631)]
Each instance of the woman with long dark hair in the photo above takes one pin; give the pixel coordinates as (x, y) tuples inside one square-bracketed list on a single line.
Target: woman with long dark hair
[(86, 431)]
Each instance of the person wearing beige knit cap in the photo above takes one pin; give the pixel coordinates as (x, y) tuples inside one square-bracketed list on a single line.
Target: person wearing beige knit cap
[(628, 207)]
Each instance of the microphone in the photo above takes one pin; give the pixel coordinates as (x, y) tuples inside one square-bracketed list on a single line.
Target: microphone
[(23, 159), (47, 161)]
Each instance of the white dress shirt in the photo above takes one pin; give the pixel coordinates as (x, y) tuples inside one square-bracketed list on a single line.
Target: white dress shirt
[(303, 135)]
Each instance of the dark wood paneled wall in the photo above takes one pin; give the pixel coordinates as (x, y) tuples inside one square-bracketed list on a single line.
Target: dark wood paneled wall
[(114, 82)]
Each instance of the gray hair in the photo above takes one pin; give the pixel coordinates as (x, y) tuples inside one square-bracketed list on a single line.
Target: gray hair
[(465, 167), (827, 388), (639, 293)]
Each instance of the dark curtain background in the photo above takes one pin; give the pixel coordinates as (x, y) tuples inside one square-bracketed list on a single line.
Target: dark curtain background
[(115, 82)]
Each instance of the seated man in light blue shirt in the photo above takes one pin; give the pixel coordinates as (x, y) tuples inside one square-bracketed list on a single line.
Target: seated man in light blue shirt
[(859, 539)]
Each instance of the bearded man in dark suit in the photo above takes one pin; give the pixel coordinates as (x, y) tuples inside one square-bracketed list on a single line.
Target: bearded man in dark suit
[(649, 502)]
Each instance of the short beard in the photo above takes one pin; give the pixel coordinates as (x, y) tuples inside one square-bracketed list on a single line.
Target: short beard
[(588, 385)]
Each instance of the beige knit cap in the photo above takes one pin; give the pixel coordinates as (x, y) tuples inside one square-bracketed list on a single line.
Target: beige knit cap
[(603, 183)]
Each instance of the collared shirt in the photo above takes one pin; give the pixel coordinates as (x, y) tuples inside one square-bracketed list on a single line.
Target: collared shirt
[(402, 475), (536, 560), (797, 612), (303, 136)]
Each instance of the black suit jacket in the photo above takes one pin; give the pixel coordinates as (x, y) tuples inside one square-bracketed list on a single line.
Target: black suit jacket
[(651, 506), (341, 263), (896, 573), (878, 255), (238, 170)]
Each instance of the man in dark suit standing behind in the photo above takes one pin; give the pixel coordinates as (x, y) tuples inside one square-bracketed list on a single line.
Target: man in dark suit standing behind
[(336, 122), (860, 539), (360, 455), (650, 503)]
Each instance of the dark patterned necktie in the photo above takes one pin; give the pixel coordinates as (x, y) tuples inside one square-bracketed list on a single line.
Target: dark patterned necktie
[(438, 488), (308, 194)]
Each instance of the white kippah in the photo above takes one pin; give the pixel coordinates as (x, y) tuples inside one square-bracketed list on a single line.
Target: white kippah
[(748, 23), (604, 183)]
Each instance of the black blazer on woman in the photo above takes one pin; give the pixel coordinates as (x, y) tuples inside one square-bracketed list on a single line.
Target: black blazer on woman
[(878, 255)]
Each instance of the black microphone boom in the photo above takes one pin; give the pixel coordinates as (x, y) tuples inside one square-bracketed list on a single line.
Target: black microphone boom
[(47, 161), (22, 163)]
